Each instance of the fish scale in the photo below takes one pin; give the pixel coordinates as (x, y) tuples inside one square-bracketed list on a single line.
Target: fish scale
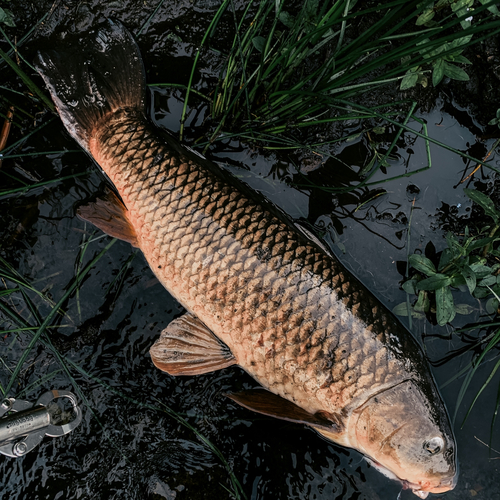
[(258, 292), (288, 312)]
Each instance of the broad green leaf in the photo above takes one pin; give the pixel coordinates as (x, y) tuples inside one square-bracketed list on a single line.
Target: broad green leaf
[(461, 8), (480, 271), (461, 4), (426, 53), (481, 243), (457, 280), (259, 43), (422, 264), (287, 19), (495, 121), (425, 17), (477, 260), (7, 17), (423, 303), (470, 278), (484, 202), (461, 60), (459, 42), (402, 310), (455, 73), (491, 305), (410, 286), (454, 244), (492, 8), (438, 72), (481, 292), (464, 309), (488, 281), (465, 23), (445, 307), (434, 282), (410, 80), (445, 259)]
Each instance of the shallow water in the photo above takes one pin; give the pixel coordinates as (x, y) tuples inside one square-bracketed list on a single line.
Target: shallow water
[(125, 448)]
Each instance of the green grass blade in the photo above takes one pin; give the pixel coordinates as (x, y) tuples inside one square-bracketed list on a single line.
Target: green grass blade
[(55, 310), (487, 381), (40, 184), (465, 385), (27, 81), (211, 27), (150, 17)]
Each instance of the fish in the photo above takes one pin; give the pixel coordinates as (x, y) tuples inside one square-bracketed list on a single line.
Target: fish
[(260, 291)]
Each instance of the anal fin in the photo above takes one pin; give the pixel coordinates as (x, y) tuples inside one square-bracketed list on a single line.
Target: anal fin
[(267, 403), (188, 347), (109, 214)]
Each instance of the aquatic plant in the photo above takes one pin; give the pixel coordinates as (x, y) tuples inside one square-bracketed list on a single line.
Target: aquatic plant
[(484, 349), (463, 264), (288, 71), (447, 56)]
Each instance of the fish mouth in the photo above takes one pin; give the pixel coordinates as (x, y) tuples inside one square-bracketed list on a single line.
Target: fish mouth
[(421, 490)]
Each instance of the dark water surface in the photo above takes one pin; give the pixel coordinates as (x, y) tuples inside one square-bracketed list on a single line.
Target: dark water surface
[(124, 450)]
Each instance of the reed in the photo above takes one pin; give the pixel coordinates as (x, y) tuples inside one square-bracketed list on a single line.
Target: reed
[(288, 71)]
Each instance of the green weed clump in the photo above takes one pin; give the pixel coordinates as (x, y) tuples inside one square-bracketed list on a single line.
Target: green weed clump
[(471, 264), (288, 71), (445, 57), (465, 264)]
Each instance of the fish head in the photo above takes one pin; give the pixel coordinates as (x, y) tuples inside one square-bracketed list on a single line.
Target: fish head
[(406, 435)]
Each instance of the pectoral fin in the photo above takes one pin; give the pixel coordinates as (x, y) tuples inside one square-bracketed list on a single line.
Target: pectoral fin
[(267, 403), (110, 215), (188, 347)]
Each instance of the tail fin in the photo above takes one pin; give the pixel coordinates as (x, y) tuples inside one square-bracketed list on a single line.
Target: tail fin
[(96, 75)]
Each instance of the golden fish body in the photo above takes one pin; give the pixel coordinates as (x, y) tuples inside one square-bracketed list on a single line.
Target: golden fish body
[(280, 306)]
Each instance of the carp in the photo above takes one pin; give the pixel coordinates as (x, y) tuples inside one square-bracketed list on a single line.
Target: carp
[(260, 291)]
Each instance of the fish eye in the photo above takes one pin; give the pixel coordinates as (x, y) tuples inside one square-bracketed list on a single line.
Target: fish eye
[(434, 445)]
